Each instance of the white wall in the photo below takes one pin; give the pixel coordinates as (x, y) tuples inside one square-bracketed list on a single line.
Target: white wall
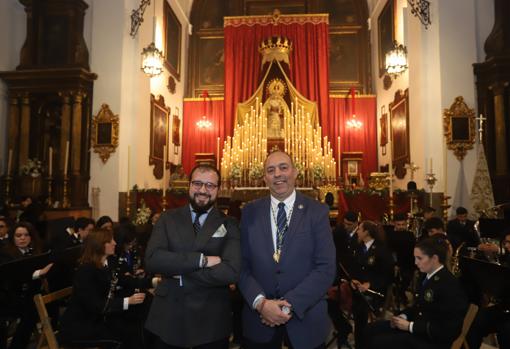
[(12, 37), (440, 69)]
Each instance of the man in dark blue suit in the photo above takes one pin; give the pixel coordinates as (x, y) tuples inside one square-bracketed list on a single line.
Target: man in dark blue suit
[(288, 264)]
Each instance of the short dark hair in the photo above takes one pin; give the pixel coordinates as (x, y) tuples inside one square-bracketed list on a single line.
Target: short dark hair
[(461, 210), (401, 216), (82, 222), (374, 230), (103, 220), (429, 209), (434, 245), (351, 216), (434, 223), (205, 167)]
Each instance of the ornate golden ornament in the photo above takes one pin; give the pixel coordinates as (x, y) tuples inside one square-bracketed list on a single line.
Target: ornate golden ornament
[(277, 48), (328, 188), (276, 256), (105, 132), (459, 127), (379, 181), (428, 295)]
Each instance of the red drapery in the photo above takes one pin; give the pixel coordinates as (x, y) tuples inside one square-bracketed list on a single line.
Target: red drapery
[(196, 140), (364, 139), (308, 59)]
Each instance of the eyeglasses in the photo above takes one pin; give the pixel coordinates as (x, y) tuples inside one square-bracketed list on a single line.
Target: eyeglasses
[(197, 185)]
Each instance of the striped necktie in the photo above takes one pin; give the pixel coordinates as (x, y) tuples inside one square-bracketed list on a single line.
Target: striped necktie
[(281, 219), (196, 222)]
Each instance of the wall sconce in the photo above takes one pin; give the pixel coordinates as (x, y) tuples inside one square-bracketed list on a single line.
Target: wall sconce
[(204, 123), (353, 123), (421, 9), (396, 60)]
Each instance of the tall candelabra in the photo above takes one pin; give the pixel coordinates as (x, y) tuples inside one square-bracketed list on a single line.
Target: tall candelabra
[(49, 201), (65, 199), (8, 180), (431, 181), (163, 200), (445, 206), (128, 204)]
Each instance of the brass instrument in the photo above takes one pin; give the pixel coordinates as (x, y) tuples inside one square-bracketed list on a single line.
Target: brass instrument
[(111, 292), (455, 267)]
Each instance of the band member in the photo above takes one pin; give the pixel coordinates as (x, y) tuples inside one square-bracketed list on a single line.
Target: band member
[(373, 272), (288, 263), (93, 298), (435, 320), (16, 298), (461, 230)]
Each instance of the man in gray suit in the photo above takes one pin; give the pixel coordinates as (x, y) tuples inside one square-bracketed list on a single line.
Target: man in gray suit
[(288, 264), (197, 251)]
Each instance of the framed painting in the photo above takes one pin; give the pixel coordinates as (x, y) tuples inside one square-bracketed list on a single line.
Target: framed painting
[(459, 127), (159, 135), (386, 33), (399, 123), (344, 58), (176, 126), (383, 122), (172, 32), (211, 57)]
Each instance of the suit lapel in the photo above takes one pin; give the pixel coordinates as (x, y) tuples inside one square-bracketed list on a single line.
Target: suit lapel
[(185, 230), (211, 224), (267, 234)]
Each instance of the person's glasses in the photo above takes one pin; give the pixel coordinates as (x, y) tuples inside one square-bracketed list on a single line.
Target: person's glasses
[(197, 185)]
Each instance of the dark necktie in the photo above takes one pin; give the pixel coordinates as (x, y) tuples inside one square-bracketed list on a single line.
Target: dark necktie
[(196, 222), (364, 248), (281, 219)]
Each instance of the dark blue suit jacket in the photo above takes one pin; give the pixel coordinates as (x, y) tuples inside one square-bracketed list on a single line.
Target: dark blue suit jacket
[(303, 276)]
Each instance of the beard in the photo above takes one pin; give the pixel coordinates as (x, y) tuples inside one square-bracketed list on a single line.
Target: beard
[(198, 206)]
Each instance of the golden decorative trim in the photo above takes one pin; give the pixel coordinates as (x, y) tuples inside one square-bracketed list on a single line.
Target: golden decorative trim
[(345, 95), (197, 99), (328, 188), (105, 132), (275, 19), (459, 127)]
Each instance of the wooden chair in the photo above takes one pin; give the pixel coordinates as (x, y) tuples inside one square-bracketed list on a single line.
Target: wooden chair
[(48, 335), (460, 342)]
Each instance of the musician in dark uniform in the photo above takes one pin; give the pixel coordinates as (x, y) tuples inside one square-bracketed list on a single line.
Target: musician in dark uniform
[(93, 297), (346, 242), (372, 271), (435, 320), (4, 232), (496, 318), (72, 237), (16, 298), (461, 230)]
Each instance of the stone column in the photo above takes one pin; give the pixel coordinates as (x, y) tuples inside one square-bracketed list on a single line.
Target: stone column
[(76, 133)]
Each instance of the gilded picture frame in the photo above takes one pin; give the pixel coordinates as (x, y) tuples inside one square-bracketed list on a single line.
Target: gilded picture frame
[(385, 33), (160, 114), (105, 132), (459, 127), (399, 125), (172, 33)]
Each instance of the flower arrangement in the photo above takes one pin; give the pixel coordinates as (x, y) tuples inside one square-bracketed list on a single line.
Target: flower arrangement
[(300, 170), (235, 171), (32, 168), (318, 172), (256, 171), (143, 213)]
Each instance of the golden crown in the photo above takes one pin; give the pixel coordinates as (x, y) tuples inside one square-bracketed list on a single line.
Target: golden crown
[(275, 44)]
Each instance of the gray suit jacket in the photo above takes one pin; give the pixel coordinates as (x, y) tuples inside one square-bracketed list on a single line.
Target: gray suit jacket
[(195, 310)]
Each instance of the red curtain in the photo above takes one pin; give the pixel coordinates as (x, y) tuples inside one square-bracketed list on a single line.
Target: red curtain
[(308, 59), (197, 140), (364, 139)]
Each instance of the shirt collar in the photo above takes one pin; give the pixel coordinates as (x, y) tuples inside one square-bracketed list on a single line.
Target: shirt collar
[(368, 244), (434, 272), (289, 201)]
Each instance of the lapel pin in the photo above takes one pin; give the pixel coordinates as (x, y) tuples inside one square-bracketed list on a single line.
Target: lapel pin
[(300, 206)]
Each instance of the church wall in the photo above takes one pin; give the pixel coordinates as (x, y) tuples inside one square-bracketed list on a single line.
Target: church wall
[(12, 37), (440, 68), (115, 57)]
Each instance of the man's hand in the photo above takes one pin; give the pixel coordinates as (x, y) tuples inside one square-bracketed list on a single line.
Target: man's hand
[(45, 270), (212, 261), (400, 323), (271, 313), (136, 298), (360, 286)]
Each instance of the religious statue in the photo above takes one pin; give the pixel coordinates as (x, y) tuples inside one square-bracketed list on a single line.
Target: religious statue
[(275, 105)]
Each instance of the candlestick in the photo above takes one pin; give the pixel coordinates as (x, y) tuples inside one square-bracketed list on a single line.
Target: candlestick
[(49, 201), (65, 198), (430, 167), (339, 161), (50, 162), (218, 151), (66, 159), (9, 163), (128, 156)]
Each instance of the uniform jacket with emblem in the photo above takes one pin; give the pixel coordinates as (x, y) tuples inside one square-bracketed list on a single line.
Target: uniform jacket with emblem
[(375, 266), (439, 309), (195, 308)]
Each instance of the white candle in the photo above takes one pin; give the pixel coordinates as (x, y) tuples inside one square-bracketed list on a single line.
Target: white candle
[(9, 163), (218, 151), (128, 155), (50, 162), (445, 170), (430, 168), (66, 159)]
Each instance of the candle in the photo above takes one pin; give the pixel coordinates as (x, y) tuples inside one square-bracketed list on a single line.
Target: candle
[(164, 170), (430, 167), (66, 159), (339, 158), (9, 163), (50, 162), (128, 156), (445, 170)]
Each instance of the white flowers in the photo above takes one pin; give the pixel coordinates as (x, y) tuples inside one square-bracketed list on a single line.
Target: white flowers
[(33, 168), (142, 214)]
